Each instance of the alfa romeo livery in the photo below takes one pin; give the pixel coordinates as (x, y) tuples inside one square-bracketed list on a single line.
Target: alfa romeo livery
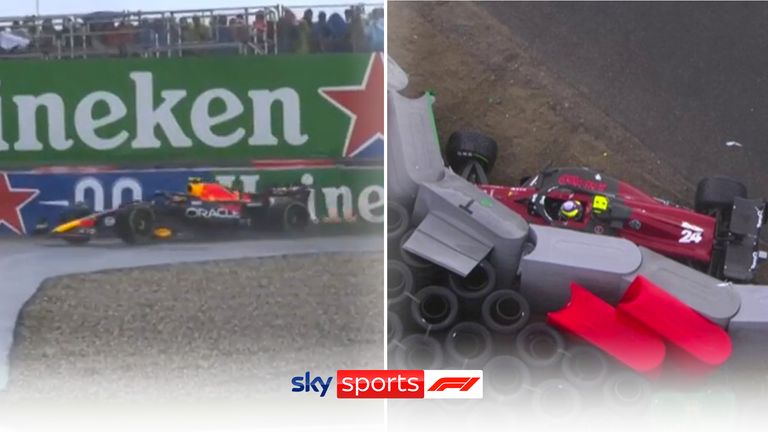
[(720, 236)]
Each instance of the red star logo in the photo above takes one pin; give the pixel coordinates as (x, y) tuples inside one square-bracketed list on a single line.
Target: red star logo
[(364, 104), (11, 202)]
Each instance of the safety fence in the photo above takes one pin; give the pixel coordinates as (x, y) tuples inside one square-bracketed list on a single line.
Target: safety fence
[(174, 33)]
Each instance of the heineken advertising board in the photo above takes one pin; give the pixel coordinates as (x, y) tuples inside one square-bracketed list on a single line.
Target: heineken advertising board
[(339, 194), (227, 110)]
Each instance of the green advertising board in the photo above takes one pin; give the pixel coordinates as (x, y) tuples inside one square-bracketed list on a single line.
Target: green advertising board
[(177, 111)]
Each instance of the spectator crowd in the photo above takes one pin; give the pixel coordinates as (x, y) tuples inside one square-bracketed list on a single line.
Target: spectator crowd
[(261, 31), (354, 32)]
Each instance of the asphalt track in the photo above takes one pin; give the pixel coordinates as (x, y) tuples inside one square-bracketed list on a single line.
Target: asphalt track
[(684, 78), (25, 264)]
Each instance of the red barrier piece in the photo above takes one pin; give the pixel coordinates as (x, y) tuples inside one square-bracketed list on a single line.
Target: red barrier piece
[(676, 322), (589, 317)]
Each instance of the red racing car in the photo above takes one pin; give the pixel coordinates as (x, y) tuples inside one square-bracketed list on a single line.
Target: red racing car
[(720, 236)]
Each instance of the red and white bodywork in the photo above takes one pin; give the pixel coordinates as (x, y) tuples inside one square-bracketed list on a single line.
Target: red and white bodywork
[(674, 231)]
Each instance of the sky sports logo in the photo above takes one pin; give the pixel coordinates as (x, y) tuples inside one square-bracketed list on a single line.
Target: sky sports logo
[(395, 384)]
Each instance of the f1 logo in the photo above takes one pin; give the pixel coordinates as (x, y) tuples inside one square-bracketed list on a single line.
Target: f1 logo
[(453, 384), (461, 383)]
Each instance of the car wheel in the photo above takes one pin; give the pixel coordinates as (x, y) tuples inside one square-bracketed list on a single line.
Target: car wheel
[(718, 193), (295, 217), (463, 147), (135, 224)]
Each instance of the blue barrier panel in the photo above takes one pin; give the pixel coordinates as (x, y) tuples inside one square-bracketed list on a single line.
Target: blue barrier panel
[(340, 194)]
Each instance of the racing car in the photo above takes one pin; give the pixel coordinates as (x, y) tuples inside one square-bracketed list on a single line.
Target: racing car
[(719, 236), (206, 208)]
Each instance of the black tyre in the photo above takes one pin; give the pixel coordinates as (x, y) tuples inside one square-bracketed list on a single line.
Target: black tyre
[(394, 328), (505, 311), (295, 217), (585, 367), (507, 377), (718, 193), (478, 283), (464, 146), (469, 344), (556, 401), (627, 391), (419, 352), (398, 221), (435, 308), (399, 282), (135, 224), (539, 345)]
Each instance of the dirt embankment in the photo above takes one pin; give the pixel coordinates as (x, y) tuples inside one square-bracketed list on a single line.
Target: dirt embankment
[(484, 80)]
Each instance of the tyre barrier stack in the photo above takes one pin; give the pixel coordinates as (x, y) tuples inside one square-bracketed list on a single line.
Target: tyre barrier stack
[(439, 320)]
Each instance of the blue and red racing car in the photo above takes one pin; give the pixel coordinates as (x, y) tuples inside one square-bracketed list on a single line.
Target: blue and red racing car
[(206, 209)]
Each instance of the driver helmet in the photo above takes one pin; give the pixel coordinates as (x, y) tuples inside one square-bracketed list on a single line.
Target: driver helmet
[(571, 210)]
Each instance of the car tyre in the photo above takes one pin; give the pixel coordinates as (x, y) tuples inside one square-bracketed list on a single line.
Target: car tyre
[(135, 224), (398, 221), (465, 146), (295, 217), (718, 193)]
